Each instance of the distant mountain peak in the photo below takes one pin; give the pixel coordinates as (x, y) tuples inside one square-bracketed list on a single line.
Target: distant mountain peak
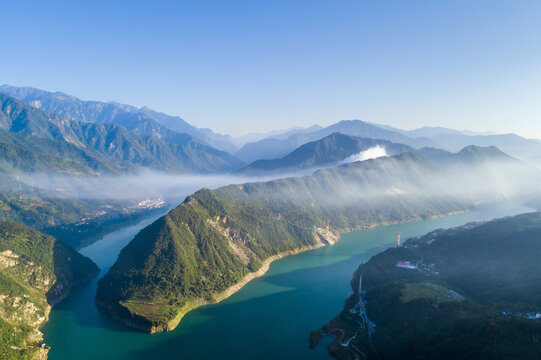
[(114, 144), (486, 150), (328, 151), (79, 110)]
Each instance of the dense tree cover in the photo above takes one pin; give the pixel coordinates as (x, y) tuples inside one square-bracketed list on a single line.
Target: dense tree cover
[(9, 338), (101, 146), (36, 270), (142, 120), (483, 281), (32, 154), (216, 237), (33, 141)]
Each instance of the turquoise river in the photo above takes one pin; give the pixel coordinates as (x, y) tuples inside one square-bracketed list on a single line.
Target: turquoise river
[(270, 318)]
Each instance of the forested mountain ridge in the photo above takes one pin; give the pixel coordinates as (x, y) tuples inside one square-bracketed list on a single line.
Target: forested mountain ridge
[(475, 286), (36, 271), (153, 123), (210, 243), (143, 120), (20, 153), (119, 145)]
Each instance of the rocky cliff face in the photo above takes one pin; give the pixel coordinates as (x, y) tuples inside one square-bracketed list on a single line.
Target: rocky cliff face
[(36, 271)]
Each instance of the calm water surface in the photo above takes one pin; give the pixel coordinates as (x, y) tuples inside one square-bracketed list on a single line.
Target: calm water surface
[(270, 318)]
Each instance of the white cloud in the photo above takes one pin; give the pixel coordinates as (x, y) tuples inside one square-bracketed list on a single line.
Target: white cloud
[(371, 153)]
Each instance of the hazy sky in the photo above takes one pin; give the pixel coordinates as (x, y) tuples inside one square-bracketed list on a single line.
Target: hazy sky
[(256, 65)]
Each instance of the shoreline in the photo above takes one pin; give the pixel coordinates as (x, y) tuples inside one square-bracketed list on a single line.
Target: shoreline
[(131, 320), (172, 324), (51, 302), (198, 302)]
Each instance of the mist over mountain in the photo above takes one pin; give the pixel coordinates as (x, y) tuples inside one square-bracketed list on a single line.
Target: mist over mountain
[(428, 136), (84, 167), (230, 164), (216, 238), (44, 203), (471, 154), (272, 148), (54, 172), (338, 147), (324, 152), (511, 144), (454, 140)]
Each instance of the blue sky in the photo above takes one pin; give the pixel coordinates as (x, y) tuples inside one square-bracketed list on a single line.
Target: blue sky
[(243, 66)]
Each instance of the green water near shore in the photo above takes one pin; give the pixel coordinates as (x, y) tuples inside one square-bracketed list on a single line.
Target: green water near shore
[(270, 318)]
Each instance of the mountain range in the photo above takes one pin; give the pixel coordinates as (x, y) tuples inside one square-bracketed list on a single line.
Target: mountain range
[(327, 151), (433, 137), (273, 148), (144, 120), (89, 138), (339, 148), (357, 175), (468, 155), (115, 144), (217, 240), (153, 139)]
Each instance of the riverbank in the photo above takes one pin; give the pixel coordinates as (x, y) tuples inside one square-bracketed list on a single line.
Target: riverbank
[(460, 284), (139, 323), (82, 235), (37, 335), (251, 276), (297, 294), (146, 314), (36, 272)]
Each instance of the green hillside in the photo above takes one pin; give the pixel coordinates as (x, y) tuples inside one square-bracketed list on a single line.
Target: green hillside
[(32, 154), (36, 271), (194, 254), (120, 146), (141, 120), (473, 293)]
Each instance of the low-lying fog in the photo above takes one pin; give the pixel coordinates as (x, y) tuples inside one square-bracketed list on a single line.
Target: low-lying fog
[(146, 184), (492, 180)]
